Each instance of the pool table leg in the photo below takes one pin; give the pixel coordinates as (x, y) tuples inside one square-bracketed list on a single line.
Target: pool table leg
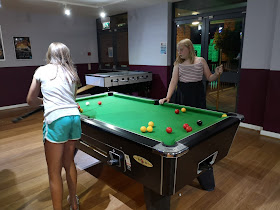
[(206, 179), (154, 201)]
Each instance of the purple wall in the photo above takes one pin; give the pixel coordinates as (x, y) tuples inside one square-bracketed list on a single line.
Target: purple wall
[(161, 79), (252, 94), (259, 92), (272, 106), (83, 69), (259, 98), (15, 82)]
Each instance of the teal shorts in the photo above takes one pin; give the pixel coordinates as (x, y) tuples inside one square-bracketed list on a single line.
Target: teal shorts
[(63, 129)]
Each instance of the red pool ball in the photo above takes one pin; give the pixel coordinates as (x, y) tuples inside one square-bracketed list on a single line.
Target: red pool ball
[(185, 125), (168, 129), (188, 129), (177, 111), (78, 106), (99, 102)]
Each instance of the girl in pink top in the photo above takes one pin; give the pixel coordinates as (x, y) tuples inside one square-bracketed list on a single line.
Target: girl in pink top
[(187, 76)]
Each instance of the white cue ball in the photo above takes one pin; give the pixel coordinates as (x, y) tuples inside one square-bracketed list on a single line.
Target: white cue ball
[(87, 103)]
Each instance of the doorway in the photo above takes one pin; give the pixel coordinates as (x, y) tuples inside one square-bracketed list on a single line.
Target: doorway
[(218, 38)]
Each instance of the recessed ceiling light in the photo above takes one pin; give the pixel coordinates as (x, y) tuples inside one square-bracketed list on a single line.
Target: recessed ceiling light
[(195, 13), (67, 11), (195, 23), (102, 14)]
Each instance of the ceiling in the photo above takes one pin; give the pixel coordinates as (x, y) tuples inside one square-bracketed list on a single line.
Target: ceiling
[(205, 4), (79, 7), (187, 7), (111, 7)]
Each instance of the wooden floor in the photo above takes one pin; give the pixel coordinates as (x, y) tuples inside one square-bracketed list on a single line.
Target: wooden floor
[(248, 178), (227, 99)]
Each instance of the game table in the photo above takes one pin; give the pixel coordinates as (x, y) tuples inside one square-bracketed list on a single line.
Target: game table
[(163, 162)]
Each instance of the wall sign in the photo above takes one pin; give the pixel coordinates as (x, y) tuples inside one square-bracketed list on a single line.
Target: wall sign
[(22, 48), (163, 48)]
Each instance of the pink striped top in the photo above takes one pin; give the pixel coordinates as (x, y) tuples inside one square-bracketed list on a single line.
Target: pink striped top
[(191, 73)]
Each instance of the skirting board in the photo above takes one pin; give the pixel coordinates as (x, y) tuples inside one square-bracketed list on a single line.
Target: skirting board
[(250, 126), (270, 134), (13, 106), (262, 132)]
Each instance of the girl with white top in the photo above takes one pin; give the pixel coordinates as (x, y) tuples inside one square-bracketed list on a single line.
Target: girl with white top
[(187, 77), (58, 82)]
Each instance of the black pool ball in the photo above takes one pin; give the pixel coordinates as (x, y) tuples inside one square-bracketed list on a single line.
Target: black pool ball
[(199, 122)]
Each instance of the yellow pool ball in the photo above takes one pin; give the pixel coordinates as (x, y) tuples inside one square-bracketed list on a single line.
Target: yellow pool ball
[(224, 115), (183, 109), (151, 124), (81, 110), (143, 129), (150, 129)]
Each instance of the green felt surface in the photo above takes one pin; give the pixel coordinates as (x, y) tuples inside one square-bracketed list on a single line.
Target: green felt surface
[(130, 113)]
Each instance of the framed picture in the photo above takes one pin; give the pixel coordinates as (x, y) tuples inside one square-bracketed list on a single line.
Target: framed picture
[(22, 48), (2, 54)]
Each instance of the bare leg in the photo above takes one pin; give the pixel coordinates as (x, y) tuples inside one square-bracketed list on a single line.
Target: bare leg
[(54, 154), (71, 171)]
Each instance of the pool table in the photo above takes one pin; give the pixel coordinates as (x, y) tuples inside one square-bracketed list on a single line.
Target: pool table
[(163, 162)]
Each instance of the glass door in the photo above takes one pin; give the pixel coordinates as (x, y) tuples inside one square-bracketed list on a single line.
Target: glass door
[(218, 39), (224, 47), (192, 31)]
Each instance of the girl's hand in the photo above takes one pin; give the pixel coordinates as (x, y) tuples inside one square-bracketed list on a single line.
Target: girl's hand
[(219, 69), (161, 101)]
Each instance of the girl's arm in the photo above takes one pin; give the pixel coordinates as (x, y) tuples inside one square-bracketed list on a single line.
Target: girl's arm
[(172, 85), (207, 73), (33, 93)]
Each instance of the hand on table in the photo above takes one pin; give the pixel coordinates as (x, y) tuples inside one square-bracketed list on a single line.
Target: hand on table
[(161, 101)]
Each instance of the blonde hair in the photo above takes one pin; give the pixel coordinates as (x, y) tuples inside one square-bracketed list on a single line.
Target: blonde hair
[(59, 54), (188, 43)]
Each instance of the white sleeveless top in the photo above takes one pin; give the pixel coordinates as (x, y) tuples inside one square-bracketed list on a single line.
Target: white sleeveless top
[(191, 73), (58, 94)]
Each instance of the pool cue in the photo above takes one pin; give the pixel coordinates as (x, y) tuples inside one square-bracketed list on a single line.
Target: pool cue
[(218, 91), (15, 120), (217, 101), (84, 88)]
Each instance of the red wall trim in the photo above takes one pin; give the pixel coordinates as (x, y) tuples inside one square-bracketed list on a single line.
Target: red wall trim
[(161, 79), (15, 82), (259, 98), (259, 90), (252, 95), (272, 105), (83, 69)]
